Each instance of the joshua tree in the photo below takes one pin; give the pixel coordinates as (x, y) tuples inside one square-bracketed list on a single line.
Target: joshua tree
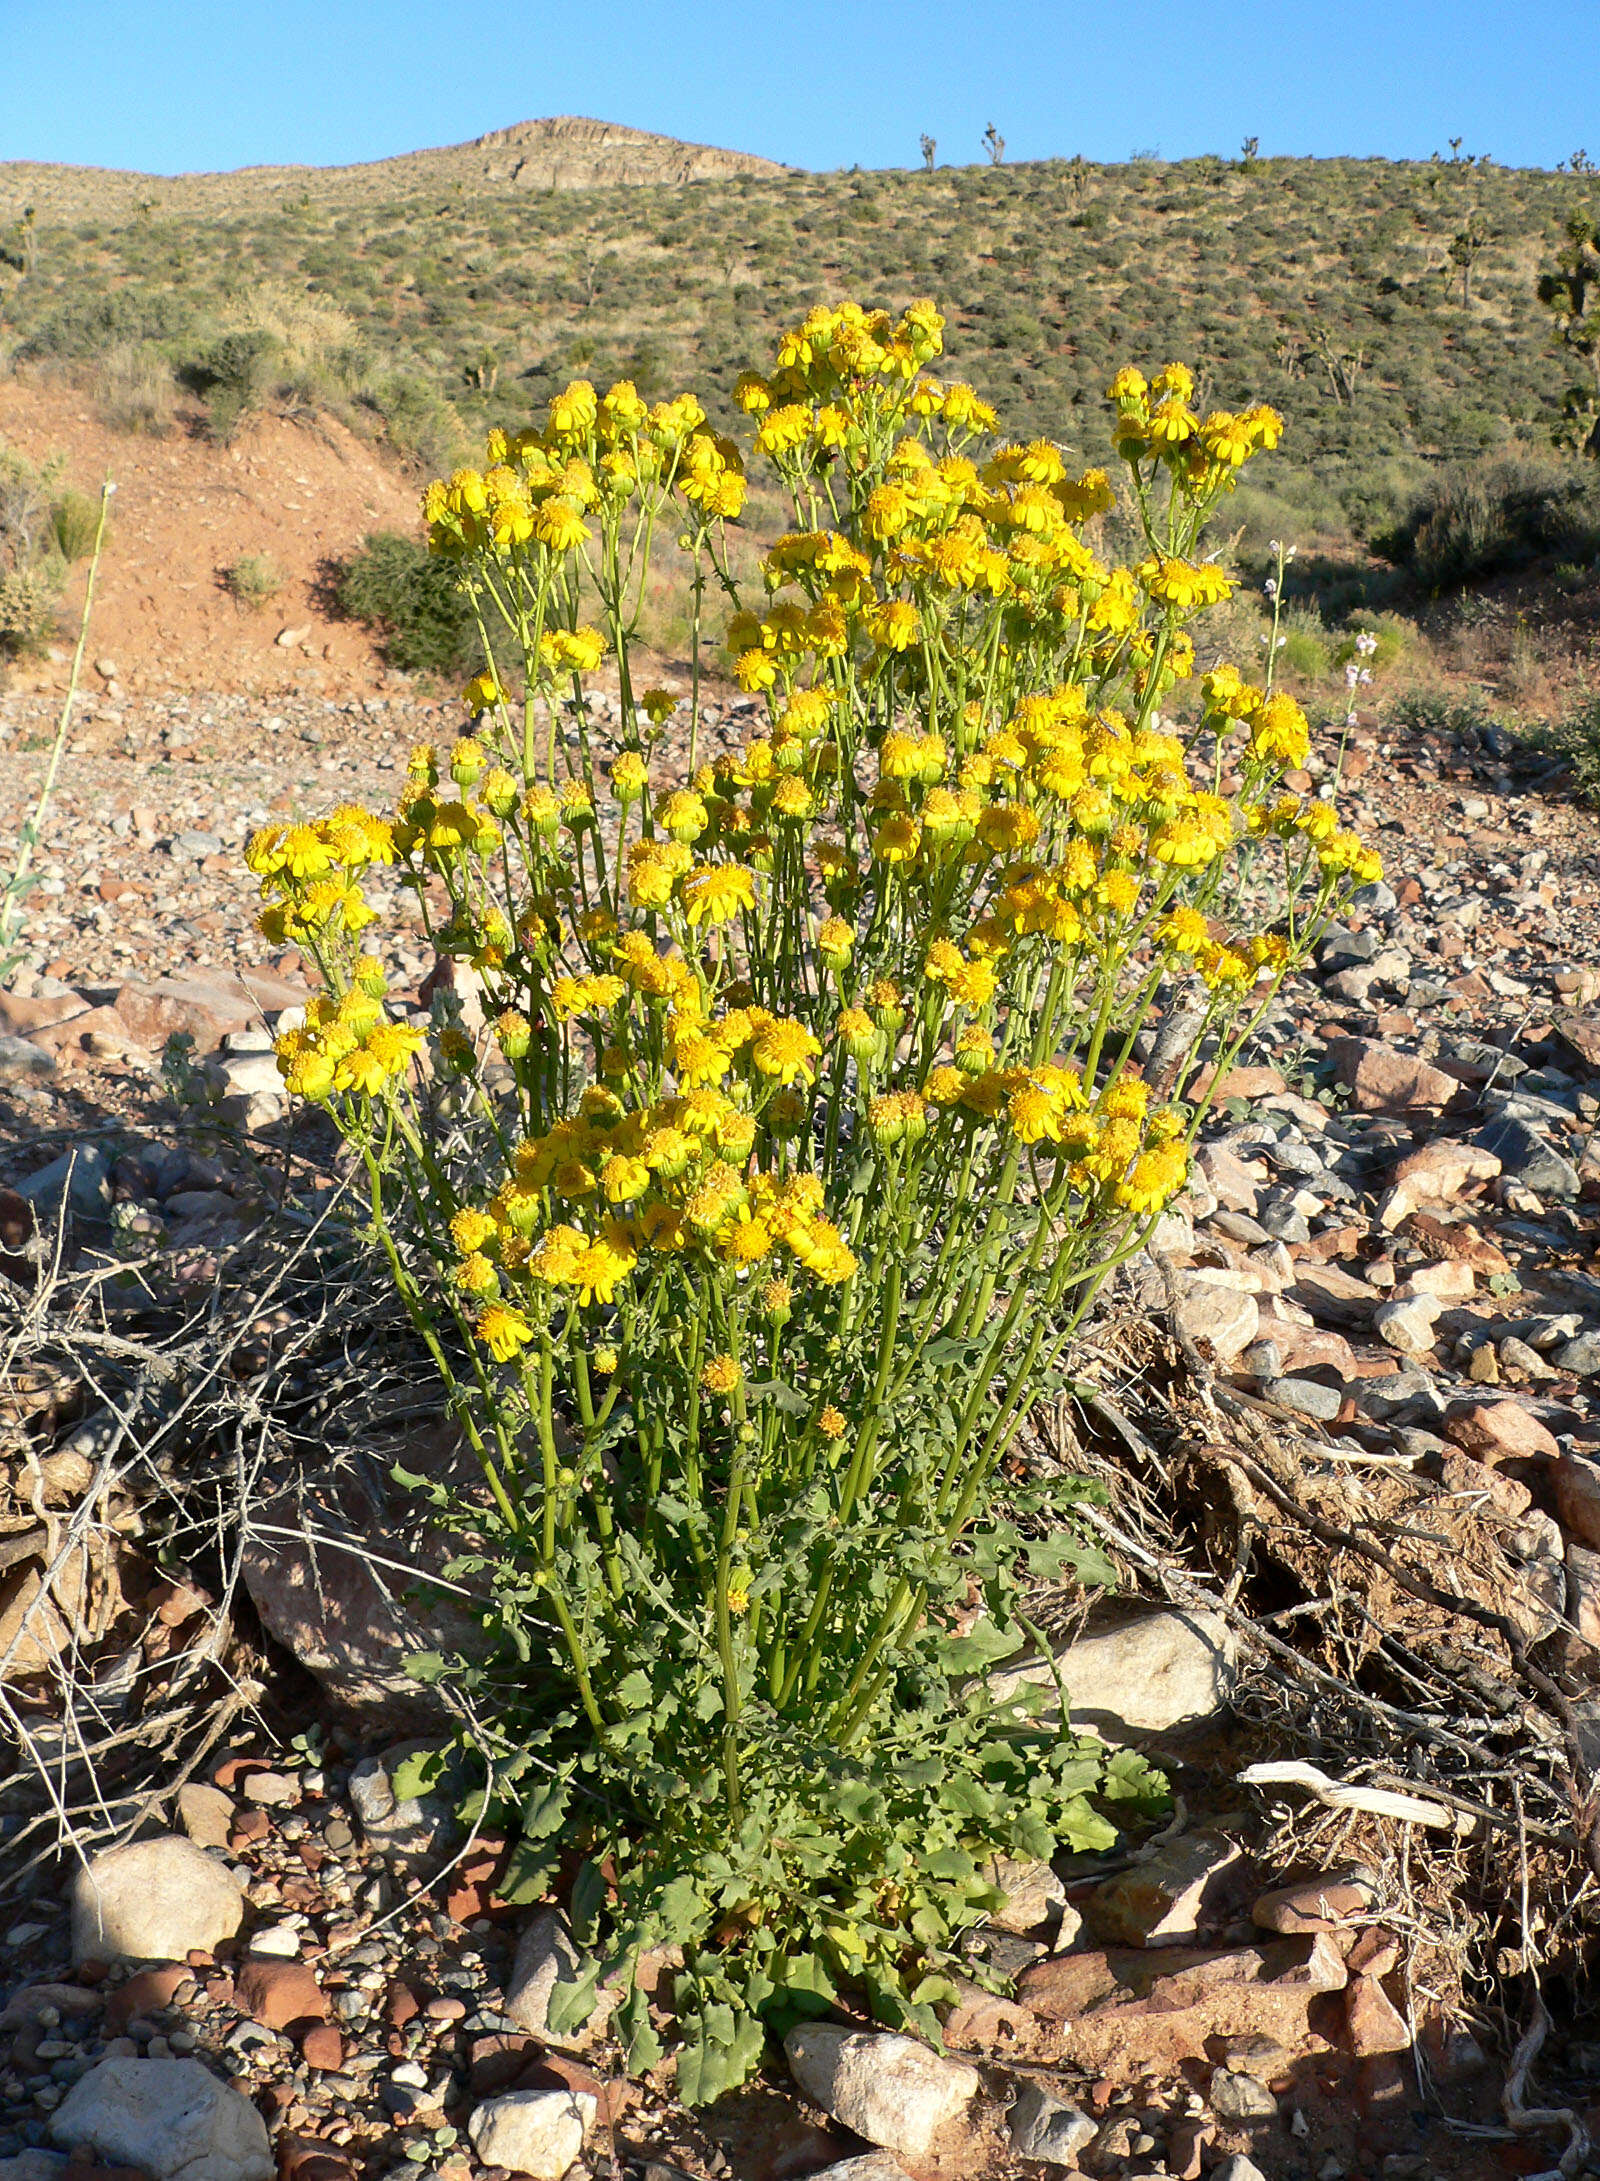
[(929, 147), (995, 145), (1249, 152), (1571, 291), (1465, 251)]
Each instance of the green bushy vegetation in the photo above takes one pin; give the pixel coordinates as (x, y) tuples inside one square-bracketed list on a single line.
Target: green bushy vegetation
[(411, 598), (1326, 286)]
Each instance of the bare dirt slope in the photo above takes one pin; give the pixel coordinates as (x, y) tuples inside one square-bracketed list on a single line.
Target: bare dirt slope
[(566, 151), (185, 511)]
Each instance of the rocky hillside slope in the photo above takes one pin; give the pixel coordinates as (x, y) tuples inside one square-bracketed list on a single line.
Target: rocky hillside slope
[(566, 151)]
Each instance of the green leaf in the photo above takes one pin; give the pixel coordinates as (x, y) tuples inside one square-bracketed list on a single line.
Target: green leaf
[(985, 1644), (415, 1774), (572, 2002), (588, 1898), (637, 2033), (528, 1872)]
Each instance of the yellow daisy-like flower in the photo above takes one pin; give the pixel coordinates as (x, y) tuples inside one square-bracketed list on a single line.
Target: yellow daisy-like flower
[(721, 1375), (786, 1050), (715, 893)]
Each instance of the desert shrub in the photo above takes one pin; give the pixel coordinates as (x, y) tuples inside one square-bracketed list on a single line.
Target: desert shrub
[(803, 1133), (32, 567), (412, 600), (234, 374), (1476, 521), (133, 388), (74, 525), (254, 580), (1576, 737), (1307, 651)]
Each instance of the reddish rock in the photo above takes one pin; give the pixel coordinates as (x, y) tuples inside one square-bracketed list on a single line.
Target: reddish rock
[(1159, 2008), (1373, 2023), (1384, 1080), (1577, 1490), (495, 2062), (1246, 1083), (147, 1993), (1317, 1904), (250, 1827), (1334, 1295), (322, 2047), (400, 2005), (1583, 1593), (305, 2158), (1374, 1953), (1498, 1431), (1460, 1474), (556, 2071), (1186, 2147), (276, 1993)]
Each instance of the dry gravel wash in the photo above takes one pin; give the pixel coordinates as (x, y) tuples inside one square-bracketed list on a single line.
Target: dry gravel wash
[(1409, 1265)]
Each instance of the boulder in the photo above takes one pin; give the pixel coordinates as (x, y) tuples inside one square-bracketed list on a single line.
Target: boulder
[(892, 2090), (1143, 1675), (170, 2118), (154, 1900), (533, 2132)]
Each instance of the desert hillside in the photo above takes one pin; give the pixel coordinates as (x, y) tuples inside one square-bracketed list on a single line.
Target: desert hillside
[(299, 495), (563, 152)]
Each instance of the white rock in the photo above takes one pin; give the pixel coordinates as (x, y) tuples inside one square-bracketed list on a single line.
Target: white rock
[(891, 2090), (172, 2118), (870, 2166), (152, 1901), (536, 2132), (1143, 1676), (279, 1942), (1406, 1323)]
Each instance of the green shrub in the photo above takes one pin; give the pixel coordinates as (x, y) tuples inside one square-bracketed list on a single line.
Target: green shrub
[(1577, 739), (1475, 522), (235, 374), (254, 580), (411, 598)]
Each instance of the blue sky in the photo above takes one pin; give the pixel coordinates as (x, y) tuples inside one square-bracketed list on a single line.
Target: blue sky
[(173, 85)]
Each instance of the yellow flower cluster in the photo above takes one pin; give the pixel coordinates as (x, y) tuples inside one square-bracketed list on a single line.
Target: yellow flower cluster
[(904, 915), (310, 874)]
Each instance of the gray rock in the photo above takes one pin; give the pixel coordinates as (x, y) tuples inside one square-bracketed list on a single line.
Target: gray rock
[(194, 847), (1580, 1356), (1306, 1397), (1048, 2128), (1167, 1897), (1377, 899), (1034, 1894), (1406, 1323), (1239, 2099), (534, 2132), (153, 1900), (1144, 1675), (82, 1176), (34, 2166), (19, 1059), (1526, 1155), (1341, 947), (546, 1956), (171, 2118), (413, 1831), (892, 2090)]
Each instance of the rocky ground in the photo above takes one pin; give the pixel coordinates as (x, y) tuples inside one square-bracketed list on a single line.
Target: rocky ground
[(1381, 1294)]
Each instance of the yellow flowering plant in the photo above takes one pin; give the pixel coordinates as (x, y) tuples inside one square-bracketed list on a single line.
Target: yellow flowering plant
[(784, 1122)]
